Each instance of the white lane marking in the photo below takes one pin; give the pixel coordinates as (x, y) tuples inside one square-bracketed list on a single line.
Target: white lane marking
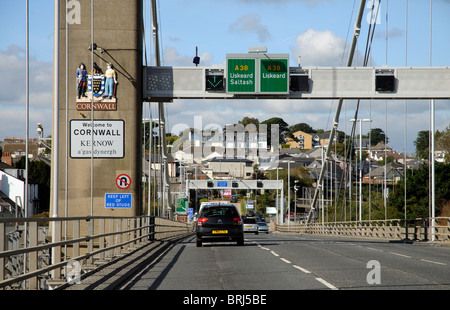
[(373, 249), (285, 260), (330, 286), (430, 261), (402, 255), (302, 269)]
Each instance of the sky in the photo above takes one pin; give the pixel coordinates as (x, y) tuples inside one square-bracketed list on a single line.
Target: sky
[(320, 31)]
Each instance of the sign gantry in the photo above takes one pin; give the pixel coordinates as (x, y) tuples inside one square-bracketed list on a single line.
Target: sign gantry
[(270, 77)]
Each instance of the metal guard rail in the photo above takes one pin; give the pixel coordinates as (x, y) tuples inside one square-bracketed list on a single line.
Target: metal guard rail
[(26, 267), (395, 229)]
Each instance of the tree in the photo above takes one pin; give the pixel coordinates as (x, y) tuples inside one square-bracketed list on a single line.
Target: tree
[(249, 120), (283, 128), (422, 144), (442, 141), (417, 192), (39, 172), (377, 135), (301, 127)]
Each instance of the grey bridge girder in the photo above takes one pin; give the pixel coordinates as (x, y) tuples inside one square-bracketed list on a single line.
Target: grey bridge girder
[(239, 184), (168, 83)]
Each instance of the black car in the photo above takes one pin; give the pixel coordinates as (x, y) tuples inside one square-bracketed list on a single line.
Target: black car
[(219, 223)]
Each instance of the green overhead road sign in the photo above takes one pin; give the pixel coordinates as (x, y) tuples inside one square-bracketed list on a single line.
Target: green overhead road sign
[(257, 74), (241, 77), (274, 76)]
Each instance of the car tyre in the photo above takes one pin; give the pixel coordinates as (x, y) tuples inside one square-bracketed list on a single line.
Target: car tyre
[(240, 241), (199, 243)]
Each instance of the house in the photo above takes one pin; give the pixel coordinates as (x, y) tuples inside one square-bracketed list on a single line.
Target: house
[(308, 141), (304, 140), (12, 188), (245, 142), (15, 148), (393, 171), (226, 168)]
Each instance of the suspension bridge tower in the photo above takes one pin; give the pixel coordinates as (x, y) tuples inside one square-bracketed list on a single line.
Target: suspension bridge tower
[(97, 126)]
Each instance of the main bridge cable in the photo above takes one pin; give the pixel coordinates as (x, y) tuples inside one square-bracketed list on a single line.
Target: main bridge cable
[(162, 122), (356, 33), (369, 41)]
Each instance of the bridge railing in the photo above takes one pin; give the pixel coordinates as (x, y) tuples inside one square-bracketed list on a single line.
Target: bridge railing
[(41, 253), (395, 229)]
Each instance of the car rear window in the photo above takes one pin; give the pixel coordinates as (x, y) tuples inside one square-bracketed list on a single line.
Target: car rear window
[(219, 211), (250, 221)]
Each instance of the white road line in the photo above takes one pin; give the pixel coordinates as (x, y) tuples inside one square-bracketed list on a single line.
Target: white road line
[(373, 249), (402, 255), (302, 269), (274, 253), (430, 261), (330, 286), (285, 260)]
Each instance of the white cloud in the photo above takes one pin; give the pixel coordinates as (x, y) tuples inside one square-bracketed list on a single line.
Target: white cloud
[(319, 48), (172, 57), (12, 96), (251, 23)]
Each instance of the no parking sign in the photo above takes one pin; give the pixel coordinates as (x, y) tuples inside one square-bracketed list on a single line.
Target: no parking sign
[(123, 181)]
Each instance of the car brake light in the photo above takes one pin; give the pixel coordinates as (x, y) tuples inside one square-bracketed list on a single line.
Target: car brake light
[(238, 220), (201, 221)]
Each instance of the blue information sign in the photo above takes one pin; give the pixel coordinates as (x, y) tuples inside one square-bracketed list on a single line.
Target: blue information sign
[(222, 184), (118, 201)]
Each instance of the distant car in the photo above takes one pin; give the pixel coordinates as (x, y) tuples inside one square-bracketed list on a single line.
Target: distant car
[(233, 198), (263, 227), (250, 225), (219, 223), (250, 213)]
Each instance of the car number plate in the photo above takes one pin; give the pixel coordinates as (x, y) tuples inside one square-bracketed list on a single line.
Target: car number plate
[(248, 226), (220, 231)]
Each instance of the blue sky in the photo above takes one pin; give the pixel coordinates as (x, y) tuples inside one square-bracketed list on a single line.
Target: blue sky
[(315, 30)]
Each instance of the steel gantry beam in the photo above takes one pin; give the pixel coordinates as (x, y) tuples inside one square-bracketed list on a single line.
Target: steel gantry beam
[(235, 184), (238, 184), (168, 83)]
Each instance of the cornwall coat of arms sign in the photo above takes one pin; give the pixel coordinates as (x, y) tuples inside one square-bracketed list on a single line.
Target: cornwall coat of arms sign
[(96, 84), (98, 88)]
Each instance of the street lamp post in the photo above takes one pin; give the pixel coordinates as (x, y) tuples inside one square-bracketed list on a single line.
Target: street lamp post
[(360, 120), (289, 184)]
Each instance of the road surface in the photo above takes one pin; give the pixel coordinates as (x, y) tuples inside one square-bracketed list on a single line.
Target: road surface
[(297, 262)]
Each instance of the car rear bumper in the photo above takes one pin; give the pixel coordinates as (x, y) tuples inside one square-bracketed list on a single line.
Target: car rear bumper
[(219, 234)]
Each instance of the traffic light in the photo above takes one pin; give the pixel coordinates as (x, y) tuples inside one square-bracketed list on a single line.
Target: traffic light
[(210, 184), (384, 80), (259, 184), (235, 184), (214, 80)]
